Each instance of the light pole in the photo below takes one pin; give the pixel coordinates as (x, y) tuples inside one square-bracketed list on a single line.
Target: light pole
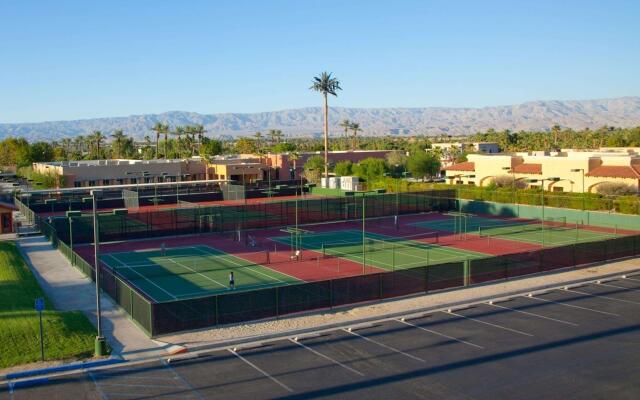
[(583, 192), (513, 184), (99, 342), (292, 172), (70, 216), (363, 193), (552, 179)]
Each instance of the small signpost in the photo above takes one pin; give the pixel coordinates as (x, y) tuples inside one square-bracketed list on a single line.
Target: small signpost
[(39, 306)]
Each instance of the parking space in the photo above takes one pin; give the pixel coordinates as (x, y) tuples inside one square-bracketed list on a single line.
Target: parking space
[(568, 343)]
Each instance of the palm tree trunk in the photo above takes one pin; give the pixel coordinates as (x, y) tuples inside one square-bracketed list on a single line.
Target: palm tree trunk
[(326, 137), (166, 142), (157, 143), (353, 141)]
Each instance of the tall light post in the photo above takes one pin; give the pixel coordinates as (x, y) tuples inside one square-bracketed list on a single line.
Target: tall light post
[(583, 192), (397, 178), (513, 184), (292, 172), (551, 179), (363, 193), (99, 342), (70, 216)]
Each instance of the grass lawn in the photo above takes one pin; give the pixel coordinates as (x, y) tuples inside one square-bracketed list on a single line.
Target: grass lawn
[(68, 334)]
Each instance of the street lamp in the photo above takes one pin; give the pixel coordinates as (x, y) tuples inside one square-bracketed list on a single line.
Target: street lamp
[(513, 176), (583, 192), (99, 342), (364, 230), (70, 216), (551, 179)]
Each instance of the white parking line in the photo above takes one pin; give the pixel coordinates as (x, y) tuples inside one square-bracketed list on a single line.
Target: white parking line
[(327, 357), (616, 286), (192, 390), (571, 305), (440, 334), (601, 296), (98, 388), (632, 279), (385, 346), (282, 385), (533, 314), (488, 323)]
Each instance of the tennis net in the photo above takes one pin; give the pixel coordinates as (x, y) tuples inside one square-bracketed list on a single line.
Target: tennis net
[(187, 204), (556, 223), (410, 243)]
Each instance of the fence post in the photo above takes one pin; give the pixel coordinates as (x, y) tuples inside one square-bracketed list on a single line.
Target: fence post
[(466, 272)]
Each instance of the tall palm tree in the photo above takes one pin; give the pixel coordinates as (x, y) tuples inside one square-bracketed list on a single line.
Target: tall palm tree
[(118, 140), (326, 85), (199, 131), (97, 138), (355, 127), (66, 145), (294, 156), (160, 128), (78, 143), (272, 136), (258, 136), (346, 125)]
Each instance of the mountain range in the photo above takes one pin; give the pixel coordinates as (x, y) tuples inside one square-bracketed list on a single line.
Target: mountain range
[(431, 121)]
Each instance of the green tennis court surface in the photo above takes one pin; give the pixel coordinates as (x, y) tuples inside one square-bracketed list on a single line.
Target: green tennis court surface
[(386, 252), (194, 271), (556, 232)]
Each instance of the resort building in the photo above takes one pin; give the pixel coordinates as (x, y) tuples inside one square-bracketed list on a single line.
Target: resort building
[(449, 151), (575, 170), (120, 172)]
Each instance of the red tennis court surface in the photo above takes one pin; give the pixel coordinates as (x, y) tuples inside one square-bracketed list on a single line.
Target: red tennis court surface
[(311, 266)]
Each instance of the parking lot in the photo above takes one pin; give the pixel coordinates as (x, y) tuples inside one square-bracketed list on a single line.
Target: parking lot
[(579, 342)]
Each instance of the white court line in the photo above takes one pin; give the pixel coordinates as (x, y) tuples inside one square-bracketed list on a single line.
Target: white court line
[(328, 358), (143, 386), (440, 334), (224, 256), (385, 346), (601, 296), (571, 305), (142, 276), (488, 323), (197, 272), (192, 390), (632, 279), (287, 388), (533, 314)]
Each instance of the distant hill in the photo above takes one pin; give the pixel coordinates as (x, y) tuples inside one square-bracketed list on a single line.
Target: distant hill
[(534, 115)]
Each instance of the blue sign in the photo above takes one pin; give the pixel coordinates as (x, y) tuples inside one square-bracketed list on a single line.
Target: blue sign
[(39, 304)]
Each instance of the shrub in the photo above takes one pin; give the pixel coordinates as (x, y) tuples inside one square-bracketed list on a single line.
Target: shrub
[(615, 189)]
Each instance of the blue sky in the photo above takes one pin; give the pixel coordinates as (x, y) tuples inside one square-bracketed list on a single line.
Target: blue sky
[(83, 59)]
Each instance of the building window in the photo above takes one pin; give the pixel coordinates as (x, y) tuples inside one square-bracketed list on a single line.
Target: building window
[(471, 183), (558, 189), (77, 184), (459, 182), (92, 183)]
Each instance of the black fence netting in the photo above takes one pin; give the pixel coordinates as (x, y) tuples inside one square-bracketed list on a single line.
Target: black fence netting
[(233, 307), (205, 219)]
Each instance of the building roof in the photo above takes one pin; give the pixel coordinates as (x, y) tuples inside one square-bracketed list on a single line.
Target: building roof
[(463, 166), (615, 171), (528, 168)]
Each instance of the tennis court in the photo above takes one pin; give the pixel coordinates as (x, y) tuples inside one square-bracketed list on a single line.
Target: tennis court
[(381, 251), (192, 271), (553, 232)]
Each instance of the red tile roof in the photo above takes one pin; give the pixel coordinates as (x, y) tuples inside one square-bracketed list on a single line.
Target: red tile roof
[(615, 171), (463, 166), (525, 168)]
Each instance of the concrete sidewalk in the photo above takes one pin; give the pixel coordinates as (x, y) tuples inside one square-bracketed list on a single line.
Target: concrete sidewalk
[(70, 290)]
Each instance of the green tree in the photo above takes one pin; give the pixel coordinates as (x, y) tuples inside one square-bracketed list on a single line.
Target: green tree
[(40, 152), (344, 168), (346, 125), (210, 147), (370, 169), (326, 85), (118, 142), (246, 146), (313, 168), (284, 147), (355, 127), (397, 161), (95, 142), (423, 164)]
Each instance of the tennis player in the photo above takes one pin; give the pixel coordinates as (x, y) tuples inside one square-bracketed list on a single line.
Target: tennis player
[(163, 249), (232, 281)]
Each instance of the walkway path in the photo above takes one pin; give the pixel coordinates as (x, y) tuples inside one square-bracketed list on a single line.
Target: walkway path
[(70, 290)]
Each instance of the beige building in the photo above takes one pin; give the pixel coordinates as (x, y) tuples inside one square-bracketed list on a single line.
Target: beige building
[(572, 167), (120, 172), (449, 151)]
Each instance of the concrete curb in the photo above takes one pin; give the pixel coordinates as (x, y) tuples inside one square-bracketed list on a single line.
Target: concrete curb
[(27, 383), (63, 368)]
